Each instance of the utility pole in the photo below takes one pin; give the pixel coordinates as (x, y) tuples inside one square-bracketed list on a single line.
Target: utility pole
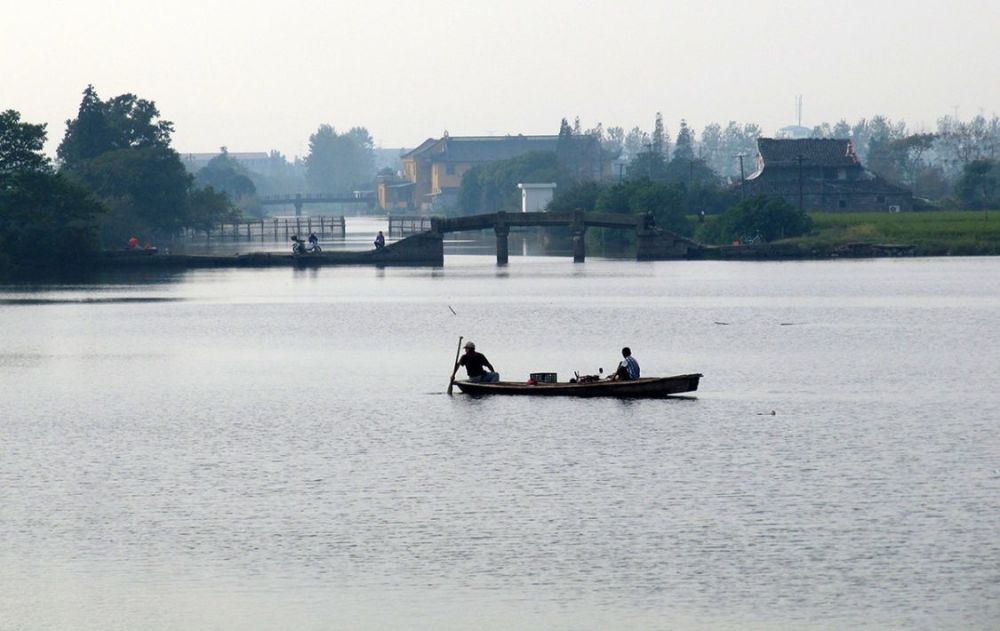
[(743, 179)]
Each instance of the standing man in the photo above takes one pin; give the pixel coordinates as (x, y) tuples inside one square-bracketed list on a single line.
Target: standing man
[(628, 369), (474, 363)]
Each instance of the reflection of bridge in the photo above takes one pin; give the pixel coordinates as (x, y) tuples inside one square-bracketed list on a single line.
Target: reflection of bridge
[(652, 243), (300, 199)]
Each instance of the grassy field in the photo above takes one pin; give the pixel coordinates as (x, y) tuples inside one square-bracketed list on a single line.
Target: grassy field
[(933, 233)]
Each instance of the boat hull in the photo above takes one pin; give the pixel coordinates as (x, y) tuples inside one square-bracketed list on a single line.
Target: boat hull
[(645, 388)]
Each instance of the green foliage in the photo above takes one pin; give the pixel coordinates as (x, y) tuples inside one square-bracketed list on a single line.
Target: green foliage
[(122, 122), (665, 202), (684, 148), (767, 218), (121, 152), (21, 145), (340, 163), (208, 207), (226, 175), (953, 232), (145, 191), (579, 154), (491, 187), (690, 172), (659, 141), (46, 222), (581, 196), (979, 185), (649, 165)]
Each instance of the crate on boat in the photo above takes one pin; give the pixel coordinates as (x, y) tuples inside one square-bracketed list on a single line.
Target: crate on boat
[(544, 377)]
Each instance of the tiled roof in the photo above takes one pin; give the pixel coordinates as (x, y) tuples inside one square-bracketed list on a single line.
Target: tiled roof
[(871, 185), (481, 148), (420, 149), (827, 152)]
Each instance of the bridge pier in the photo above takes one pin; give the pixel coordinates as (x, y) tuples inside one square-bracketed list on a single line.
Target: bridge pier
[(502, 231), (579, 246), (579, 228)]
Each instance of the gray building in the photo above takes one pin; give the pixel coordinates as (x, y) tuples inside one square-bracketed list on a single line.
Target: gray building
[(822, 174)]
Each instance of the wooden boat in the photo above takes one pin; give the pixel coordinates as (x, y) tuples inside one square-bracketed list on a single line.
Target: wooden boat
[(645, 388)]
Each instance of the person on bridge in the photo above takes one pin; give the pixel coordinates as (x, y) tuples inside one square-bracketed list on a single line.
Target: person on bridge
[(379, 241), (474, 363), (628, 369)]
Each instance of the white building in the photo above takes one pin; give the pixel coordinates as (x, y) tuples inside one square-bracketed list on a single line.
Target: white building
[(535, 197)]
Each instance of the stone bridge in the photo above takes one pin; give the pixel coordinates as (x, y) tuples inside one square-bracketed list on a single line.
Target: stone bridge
[(298, 200), (652, 243)]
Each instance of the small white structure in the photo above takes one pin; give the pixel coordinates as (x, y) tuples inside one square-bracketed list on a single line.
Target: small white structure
[(535, 197)]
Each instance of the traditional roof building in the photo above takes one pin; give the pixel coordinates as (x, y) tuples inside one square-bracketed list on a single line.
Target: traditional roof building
[(822, 174), (435, 168)]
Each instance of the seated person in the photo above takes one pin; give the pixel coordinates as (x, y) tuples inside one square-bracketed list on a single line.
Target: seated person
[(474, 363), (628, 369), (379, 241)]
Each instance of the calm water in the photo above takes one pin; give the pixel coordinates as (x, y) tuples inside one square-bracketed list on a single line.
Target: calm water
[(273, 449)]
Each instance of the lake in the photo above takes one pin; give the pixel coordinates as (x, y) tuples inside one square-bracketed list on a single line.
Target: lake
[(274, 449)]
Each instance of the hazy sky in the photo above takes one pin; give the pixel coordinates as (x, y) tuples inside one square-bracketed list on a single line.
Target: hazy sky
[(255, 75)]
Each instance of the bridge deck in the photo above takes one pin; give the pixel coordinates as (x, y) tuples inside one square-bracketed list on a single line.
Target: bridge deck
[(583, 220)]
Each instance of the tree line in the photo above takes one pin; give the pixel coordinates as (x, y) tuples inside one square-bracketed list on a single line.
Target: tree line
[(117, 176), (676, 178)]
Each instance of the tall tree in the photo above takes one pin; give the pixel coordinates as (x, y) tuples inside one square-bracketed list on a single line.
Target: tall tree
[(340, 163), (710, 148), (122, 122), (614, 141), (684, 149), (145, 190), (21, 145), (223, 173), (979, 185), (842, 129), (38, 206), (659, 136), (636, 142), (121, 151)]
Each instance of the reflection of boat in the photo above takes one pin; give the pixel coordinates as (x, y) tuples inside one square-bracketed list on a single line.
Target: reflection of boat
[(645, 388)]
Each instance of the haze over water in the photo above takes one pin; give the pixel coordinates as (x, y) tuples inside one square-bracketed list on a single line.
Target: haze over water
[(271, 449)]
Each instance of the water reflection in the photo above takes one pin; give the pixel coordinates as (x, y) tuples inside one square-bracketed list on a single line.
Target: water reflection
[(270, 449)]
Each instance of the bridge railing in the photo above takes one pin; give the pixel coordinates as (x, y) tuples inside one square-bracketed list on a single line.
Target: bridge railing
[(273, 230), (581, 219), (316, 198), (402, 225)]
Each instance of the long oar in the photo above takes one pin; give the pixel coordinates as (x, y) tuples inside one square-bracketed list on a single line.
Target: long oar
[(458, 351)]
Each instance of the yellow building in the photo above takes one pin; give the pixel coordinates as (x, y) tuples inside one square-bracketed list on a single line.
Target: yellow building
[(435, 168)]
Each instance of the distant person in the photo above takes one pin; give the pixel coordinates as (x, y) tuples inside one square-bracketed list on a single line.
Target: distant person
[(474, 363), (133, 243), (379, 241), (628, 369), (313, 239)]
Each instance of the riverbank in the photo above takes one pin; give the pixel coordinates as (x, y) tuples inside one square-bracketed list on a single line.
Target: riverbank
[(938, 233)]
